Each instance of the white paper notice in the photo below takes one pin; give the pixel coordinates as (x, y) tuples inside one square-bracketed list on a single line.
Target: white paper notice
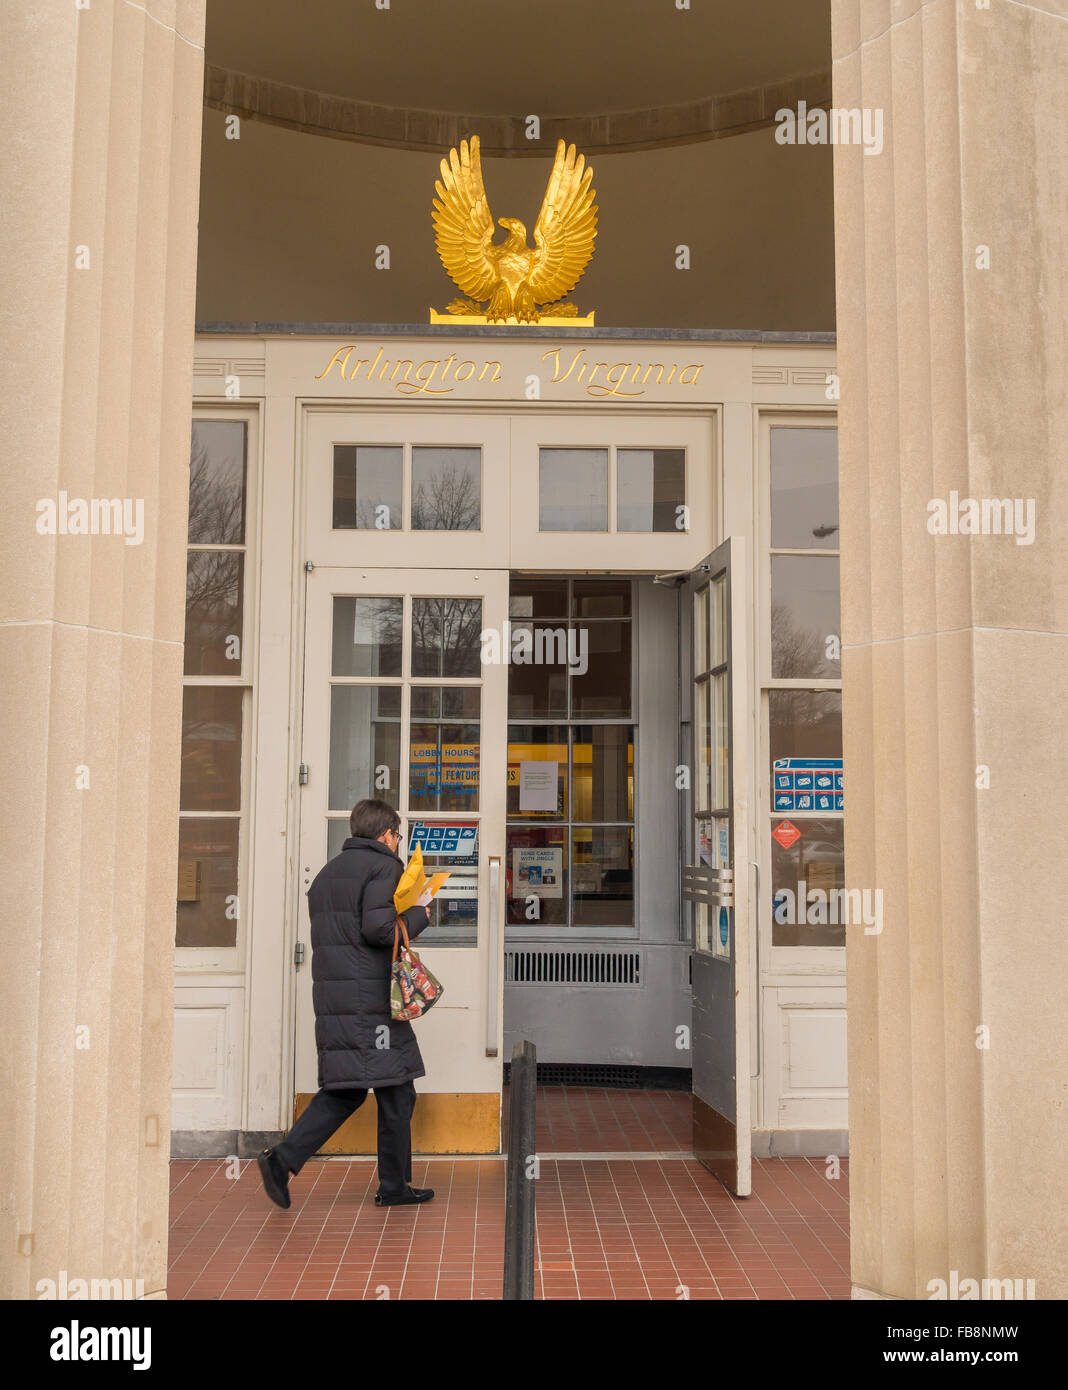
[(537, 786)]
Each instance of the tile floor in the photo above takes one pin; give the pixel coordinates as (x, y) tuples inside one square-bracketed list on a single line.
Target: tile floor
[(608, 1227)]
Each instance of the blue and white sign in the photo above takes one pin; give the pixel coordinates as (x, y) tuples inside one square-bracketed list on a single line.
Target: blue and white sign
[(458, 839), (807, 784)]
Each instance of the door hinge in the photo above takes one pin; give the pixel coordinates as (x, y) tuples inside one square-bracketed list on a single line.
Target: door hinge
[(309, 566), (303, 774), (298, 954)]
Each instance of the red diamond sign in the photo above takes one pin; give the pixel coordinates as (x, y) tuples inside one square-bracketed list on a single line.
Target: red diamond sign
[(786, 833)]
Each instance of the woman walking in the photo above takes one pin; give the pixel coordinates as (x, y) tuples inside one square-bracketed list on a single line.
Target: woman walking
[(361, 1047)]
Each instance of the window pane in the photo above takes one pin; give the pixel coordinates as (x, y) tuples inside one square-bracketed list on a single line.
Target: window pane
[(211, 748), (805, 612), (443, 767), (720, 747), (718, 590), (217, 482), (337, 832), (702, 793), (536, 875), (543, 744), (207, 877), (367, 636), (805, 723), (603, 688), (602, 776), (602, 876), (537, 598), (804, 489), (650, 489), (597, 598), (700, 632), (446, 489), (214, 612), (368, 480), (537, 689), (573, 490), (445, 636), (364, 741), (812, 862)]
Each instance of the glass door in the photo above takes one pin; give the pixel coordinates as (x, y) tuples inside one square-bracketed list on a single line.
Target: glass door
[(399, 705), (715, 878)]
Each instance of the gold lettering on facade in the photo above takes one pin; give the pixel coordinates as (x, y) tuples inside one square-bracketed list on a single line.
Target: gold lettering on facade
[(434, 377)]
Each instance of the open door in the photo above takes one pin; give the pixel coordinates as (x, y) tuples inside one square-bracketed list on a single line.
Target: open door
[(715, 877)]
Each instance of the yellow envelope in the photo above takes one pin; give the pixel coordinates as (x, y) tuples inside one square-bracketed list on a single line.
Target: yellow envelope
[(413, 882)]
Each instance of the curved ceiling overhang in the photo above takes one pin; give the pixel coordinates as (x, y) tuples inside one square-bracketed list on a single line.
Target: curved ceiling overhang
[(615, 132)]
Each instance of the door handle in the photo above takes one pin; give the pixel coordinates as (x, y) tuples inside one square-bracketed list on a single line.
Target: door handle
[(493, 991)]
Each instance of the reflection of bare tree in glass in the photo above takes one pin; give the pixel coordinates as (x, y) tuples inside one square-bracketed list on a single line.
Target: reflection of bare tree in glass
[(796, 652), (213, 578), (216, 499), (810, 721), (448, 500), (452, 625)]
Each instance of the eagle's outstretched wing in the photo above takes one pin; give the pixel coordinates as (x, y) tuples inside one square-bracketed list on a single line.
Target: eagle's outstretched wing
[(463, 224), (566, 227)]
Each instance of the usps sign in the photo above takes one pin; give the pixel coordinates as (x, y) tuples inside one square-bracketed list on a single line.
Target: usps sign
[(807, 784)]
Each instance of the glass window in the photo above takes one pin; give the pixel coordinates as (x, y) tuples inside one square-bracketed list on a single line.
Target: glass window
[(446, 489), (214, 612), (805, 723), (602, 875), (211, 748), (528, 792), (213, 715), (446, 636), (443, 767), (207, 880), (600, 598), (571, 755), (804, 489), (650, 489), (364, 743), (602, 773), (600, 679), (368, 485), (217, 482), (573, 490), (805, 617), (536, 875), (537, 598), (806, 876), (367, 636)]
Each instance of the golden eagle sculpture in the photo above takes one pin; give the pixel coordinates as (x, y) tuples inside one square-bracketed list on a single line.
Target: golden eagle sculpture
[(519, 282)]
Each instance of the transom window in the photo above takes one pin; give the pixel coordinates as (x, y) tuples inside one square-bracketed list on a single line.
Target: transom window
[(443, 485), (617, 489)]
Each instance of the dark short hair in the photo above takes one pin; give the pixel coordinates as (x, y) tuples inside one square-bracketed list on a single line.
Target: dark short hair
[(370, 818)]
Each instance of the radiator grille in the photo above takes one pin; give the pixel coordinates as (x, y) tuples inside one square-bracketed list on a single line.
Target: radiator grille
[(560, 967)]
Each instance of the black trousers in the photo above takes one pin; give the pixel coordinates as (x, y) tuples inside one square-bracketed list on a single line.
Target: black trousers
[(328, 1111)]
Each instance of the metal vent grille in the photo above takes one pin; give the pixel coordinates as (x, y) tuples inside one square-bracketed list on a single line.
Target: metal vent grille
[(561, 967), (583, 1074)]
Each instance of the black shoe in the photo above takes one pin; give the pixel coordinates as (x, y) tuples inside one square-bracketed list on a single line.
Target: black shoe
[(408, 1198), (275, 1178)]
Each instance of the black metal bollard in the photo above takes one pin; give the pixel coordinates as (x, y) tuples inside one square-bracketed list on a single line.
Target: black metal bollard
[(519, 1198)]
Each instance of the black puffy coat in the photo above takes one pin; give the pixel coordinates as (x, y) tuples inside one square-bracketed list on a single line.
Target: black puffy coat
[(351, 907)]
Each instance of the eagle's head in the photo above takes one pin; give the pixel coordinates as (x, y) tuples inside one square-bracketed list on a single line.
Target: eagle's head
[(513, 225)]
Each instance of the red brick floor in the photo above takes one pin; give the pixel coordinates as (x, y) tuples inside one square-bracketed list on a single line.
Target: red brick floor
[(608, 1228), (598, 1119)]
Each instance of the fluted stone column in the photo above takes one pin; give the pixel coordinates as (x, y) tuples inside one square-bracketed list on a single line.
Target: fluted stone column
[(950, 253), (98, 258)]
